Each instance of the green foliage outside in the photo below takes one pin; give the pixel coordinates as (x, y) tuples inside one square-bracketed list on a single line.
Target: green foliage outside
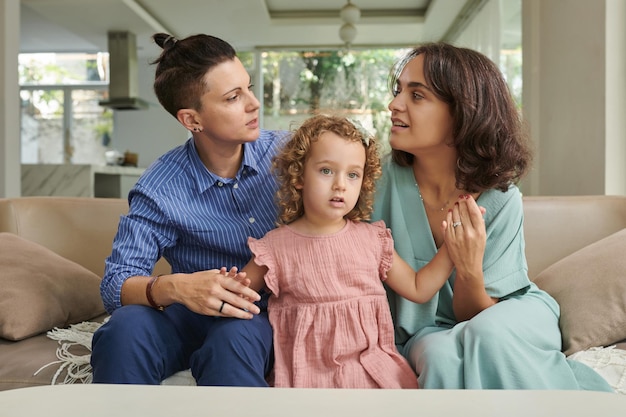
[(298, 84)]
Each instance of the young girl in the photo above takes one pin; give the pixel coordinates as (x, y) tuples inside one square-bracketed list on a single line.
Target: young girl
[(324, 266)]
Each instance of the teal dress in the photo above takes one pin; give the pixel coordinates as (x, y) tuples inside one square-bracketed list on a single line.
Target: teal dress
[(515, 344)]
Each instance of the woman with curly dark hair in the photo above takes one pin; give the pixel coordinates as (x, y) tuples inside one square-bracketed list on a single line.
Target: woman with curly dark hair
[(458, 133), (324, 265)]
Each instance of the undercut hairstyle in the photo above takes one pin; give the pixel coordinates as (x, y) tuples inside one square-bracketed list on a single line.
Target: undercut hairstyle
[(493, 147), (179, 77), (288, 166)]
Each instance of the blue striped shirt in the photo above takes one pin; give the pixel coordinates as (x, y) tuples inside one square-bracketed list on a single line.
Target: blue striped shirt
[(193, 218)]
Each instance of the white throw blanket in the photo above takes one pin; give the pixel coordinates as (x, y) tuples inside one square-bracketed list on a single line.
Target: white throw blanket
[(608, 362), (78, 366)]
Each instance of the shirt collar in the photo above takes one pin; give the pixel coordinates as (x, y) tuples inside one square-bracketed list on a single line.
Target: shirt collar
[(205, 179)]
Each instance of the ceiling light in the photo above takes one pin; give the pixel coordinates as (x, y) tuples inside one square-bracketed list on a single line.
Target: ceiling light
[(347, 33), (349, 14)]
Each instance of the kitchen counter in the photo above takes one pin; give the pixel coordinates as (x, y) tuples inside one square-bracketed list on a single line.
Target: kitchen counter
[(80, 180)]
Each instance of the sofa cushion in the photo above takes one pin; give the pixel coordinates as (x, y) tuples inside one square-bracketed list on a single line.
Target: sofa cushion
[(21, 361), (590, 287), (33, 361), (42, 290)]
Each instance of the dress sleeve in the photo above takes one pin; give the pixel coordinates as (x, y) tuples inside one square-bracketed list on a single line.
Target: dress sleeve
[(504, 264), (264, 256), (386, 245)]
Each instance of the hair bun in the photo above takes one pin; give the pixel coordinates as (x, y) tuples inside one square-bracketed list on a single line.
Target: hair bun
[(164, 40), (170, 39)]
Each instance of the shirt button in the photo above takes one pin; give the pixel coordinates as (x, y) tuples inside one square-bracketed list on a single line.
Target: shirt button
[(220, 183), (251, 220), (236, 186)]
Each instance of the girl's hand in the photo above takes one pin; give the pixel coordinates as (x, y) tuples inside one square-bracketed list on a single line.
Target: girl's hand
[(236, 275), (240, 277)]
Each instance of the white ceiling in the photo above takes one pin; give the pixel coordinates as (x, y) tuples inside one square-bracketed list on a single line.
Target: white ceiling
[(82, 25)]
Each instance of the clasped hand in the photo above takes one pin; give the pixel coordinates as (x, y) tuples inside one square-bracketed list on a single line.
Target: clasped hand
[(465, 236), (221, 292)]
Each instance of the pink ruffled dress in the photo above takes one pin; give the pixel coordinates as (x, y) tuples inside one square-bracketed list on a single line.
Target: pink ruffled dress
[(329, 311)]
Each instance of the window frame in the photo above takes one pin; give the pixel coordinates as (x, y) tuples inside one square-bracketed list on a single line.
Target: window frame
[(68, 108)]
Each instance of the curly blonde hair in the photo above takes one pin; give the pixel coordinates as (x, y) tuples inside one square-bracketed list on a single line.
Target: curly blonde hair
[(288, 166)]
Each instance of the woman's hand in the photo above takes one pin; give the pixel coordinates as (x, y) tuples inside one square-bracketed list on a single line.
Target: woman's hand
[(215, 293), (465, 237)]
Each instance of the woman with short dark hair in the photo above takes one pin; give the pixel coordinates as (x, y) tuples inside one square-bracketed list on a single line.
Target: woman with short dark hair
[(195, 206)]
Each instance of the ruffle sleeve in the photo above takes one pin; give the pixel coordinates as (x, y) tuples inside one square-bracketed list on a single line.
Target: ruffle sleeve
[(263, 256), (386, 244)]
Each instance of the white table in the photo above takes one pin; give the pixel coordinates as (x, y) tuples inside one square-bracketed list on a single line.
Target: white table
[(168, 401)]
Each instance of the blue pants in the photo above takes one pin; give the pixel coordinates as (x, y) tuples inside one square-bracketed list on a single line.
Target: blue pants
[(141, 345)]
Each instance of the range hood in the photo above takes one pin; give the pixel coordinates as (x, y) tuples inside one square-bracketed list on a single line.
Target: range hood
[(123, 74)]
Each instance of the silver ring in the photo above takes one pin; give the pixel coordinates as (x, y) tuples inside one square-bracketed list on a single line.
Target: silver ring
[(455, 224), (221, 307)]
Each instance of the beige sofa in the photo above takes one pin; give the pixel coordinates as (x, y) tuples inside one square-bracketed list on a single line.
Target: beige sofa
[(573, 244)]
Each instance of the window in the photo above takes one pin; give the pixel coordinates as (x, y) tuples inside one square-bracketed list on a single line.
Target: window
[(297, 84), (61, 121)]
